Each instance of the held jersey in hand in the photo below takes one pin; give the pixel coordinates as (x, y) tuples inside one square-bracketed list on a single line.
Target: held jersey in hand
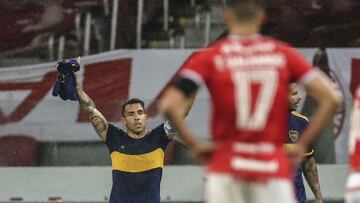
[(65, 85)]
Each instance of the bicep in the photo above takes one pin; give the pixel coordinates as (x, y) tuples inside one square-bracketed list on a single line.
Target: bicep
[(99, 123), (173, 100), (320, 88)]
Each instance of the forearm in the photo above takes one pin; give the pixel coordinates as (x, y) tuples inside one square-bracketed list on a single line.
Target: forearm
[(311, 176), (98, 121), (175, 105), (176, 119), (86, 103)]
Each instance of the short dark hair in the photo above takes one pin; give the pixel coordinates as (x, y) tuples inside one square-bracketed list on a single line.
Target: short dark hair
[(245, 10), (133, 101)]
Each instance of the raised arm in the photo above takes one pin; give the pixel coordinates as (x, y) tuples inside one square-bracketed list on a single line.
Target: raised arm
[(312, 178), (98, 121)]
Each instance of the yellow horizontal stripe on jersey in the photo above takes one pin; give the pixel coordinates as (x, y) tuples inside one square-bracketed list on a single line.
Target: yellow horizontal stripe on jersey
[(288, 147), (139, 162)]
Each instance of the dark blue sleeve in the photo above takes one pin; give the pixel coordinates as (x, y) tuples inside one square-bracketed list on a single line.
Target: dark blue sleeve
[(113, 137)]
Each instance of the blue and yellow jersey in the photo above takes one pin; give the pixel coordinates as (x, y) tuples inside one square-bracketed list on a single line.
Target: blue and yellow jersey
[(136, 165), (297, 124)]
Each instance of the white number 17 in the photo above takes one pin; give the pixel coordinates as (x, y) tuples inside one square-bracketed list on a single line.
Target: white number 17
[(254, 118)]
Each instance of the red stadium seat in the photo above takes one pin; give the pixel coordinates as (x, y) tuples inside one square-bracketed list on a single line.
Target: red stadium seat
[(18, 150)]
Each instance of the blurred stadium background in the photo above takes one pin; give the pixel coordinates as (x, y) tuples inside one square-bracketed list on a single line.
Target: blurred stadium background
[(48, 151)]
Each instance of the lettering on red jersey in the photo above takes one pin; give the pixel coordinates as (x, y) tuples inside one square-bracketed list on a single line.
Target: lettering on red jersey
[(243, 81), (236, 62), (248, 82)]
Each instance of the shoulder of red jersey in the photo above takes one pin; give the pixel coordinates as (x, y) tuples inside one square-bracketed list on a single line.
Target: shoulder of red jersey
[(217, 42), (203, 51), (300, 116)]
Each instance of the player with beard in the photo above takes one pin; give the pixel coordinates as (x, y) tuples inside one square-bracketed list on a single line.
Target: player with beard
[(297, 123), (137, 154)]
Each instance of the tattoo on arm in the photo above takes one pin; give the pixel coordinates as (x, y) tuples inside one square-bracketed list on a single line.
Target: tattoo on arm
[(84, 100), (98, 121), (99, 124), (311, 176)]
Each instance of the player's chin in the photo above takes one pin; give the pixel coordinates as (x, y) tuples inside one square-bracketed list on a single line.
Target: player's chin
[(138, 129)]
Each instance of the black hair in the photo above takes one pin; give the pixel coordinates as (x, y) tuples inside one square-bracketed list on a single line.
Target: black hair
[(245, 10), (133, 101)]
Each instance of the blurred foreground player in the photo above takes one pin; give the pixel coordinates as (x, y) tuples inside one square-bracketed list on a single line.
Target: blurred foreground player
[(137, 155), (353, 182), (297, 124), (247, 76)]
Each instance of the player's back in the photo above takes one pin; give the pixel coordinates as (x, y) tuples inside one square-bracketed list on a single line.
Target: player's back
[(248, 83)]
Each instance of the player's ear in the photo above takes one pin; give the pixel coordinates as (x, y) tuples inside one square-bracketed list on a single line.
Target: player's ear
[(122, 120)]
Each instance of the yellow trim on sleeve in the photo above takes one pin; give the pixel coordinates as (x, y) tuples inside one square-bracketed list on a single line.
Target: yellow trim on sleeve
[(309, 153), (299, 115), (137, 163), (289, 147)]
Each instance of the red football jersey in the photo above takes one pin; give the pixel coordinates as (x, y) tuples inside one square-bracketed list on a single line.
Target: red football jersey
[(354, 137), (248, 82)]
